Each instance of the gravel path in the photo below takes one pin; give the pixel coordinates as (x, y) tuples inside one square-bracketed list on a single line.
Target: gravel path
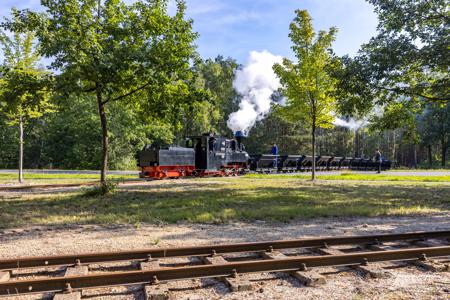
[(406, 283)]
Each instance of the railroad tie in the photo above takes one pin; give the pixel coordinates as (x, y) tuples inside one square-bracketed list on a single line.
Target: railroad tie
[(430, 243), (309, 277), (5, 276), (235, 282), (431, 264), (76, 270), (372, 270), (156, 290), (424, 263)]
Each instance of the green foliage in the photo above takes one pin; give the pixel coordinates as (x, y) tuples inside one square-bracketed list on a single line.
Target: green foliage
[(72, 136), (24, 87), (408, 58), (71, 139), (434, 128), (108, 188), (307, 84), (290, 136), (113, 48), (402, 70), (217, 76), (134, 66), (136, 53), (399, 114), (8, 144)]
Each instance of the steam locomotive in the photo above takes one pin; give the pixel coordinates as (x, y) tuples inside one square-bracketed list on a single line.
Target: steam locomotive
[(205, 155), (210, 155)]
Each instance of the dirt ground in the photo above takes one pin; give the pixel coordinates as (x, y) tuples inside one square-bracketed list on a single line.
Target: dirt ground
[(405, 283)]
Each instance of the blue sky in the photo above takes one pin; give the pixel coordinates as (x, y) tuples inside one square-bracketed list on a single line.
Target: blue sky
[(236, 27)]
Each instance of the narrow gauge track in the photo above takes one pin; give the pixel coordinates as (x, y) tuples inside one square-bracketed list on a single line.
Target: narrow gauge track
[(227, 269), (72, 283), (143, 254)]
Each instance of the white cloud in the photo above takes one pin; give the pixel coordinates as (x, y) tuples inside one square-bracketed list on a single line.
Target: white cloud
[(201, 7)]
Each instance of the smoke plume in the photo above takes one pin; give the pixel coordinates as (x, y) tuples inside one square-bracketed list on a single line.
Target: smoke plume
[(350, 123), (256, 83)]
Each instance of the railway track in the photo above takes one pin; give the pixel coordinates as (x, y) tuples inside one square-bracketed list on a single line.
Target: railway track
[(302, 258)]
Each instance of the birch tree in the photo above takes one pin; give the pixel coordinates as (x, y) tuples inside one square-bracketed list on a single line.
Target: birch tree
[(24, 89)]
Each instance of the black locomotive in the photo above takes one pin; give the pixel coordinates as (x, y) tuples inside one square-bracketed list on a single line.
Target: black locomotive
[(205, 155)]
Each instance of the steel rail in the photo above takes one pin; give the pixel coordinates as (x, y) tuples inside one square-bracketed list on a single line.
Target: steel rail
[(61, 284), (142, 254)]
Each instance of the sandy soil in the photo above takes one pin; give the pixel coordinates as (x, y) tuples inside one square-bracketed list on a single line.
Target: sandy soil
[(405, 283)]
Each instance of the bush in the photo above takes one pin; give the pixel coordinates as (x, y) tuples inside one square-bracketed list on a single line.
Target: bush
[(108, 188)]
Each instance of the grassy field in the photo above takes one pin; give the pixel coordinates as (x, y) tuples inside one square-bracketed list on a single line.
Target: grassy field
[(33, 178), (217, 200), (41, 178), (357, 177)]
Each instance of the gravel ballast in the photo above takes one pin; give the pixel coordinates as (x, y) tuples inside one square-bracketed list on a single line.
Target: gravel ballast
[(405, 283)]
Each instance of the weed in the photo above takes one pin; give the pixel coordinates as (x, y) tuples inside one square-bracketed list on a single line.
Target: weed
[(107, 188)]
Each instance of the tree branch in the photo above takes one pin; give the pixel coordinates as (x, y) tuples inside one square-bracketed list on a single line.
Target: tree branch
[(127, 94), (92, 89), (402, 91)]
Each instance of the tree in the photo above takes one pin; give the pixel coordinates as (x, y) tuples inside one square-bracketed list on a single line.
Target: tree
[(407, 58), (114, 51), (218, 76), (24, 90), (434, 128), (307, 84), (401, 114), (411, 47)]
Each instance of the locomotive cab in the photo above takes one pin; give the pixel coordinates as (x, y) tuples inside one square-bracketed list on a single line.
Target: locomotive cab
[(214, 153), (209, 151)]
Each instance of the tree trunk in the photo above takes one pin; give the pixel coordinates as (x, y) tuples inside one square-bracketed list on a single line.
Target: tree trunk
[(415, 155), (430, 156), (444, 152), (356, 143), (20, 150), (102, 113), (313, 142), (393, 147)]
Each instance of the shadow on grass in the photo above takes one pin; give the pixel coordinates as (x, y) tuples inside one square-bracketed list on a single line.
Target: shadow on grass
[(210, 203)]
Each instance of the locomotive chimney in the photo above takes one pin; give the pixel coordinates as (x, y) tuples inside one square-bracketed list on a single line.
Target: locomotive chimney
[(239, 135)]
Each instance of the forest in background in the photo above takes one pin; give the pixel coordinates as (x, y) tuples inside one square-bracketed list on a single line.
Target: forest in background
[(409, 92)]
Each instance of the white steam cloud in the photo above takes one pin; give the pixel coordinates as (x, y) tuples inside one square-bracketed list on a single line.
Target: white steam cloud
[(256, 82), (350, 123)]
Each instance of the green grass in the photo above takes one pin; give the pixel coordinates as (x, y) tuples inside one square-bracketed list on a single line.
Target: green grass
[(218, 200), (57, 178), (41, 178), (357, 177), (436, 169)]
